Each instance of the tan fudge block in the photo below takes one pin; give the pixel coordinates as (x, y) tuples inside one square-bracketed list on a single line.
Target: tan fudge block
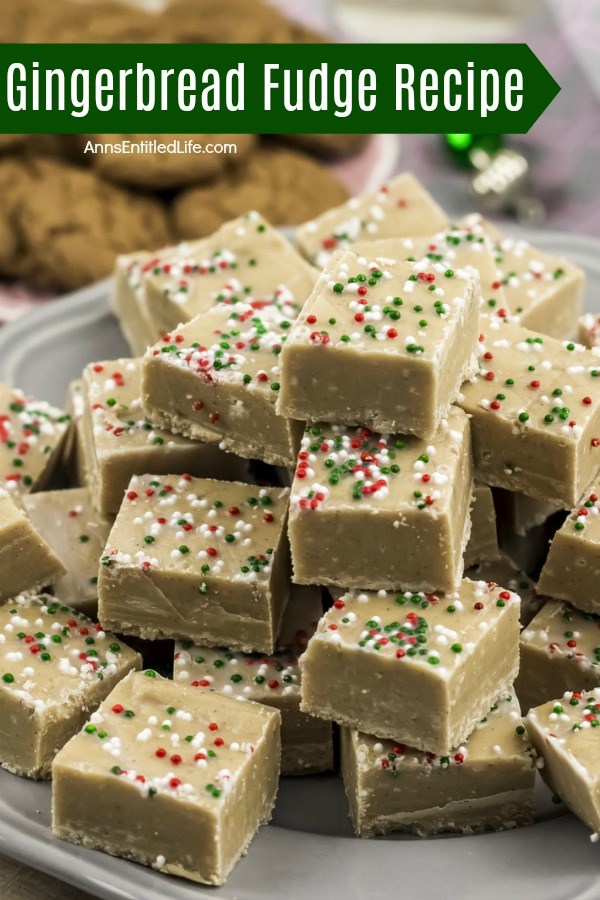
[(572, 569), (119, 441), (246, 259), (520, 514), (375, 657), (564, 735), (77, 533), (485, 784), (400, 207), (306, 742), (544, 290), (189, 779), (128, 301), (505, 572), (221, 373), (56, 666), (197, 559), (588, 330), (483, 542), (453, 248), (560, 651), (380, 511), (27, 563), (535, 414), (381, 343), (32, 433), (72, 457)]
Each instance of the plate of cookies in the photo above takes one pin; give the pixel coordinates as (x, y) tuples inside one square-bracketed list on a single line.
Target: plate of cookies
[(299, 564)]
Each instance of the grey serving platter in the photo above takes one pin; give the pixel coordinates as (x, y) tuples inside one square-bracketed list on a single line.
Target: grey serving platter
[(308, 850)]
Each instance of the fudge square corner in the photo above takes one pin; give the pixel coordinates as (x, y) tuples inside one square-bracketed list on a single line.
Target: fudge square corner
[(485, 784), (170, 777), (198, 559), (535, 414), (418, 668), (381, 343), (566, 734), (56, 666), (378, 511)]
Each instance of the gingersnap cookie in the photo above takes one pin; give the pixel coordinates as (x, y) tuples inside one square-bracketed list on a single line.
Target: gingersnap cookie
[(15, 18), (287, 187), (224, 22), (61, 226), (8, 141), (304, 34), (98, 21), (66, 147), (327, 146), (171, 169)]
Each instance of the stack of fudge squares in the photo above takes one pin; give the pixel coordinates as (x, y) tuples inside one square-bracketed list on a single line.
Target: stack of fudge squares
[(275, 525)]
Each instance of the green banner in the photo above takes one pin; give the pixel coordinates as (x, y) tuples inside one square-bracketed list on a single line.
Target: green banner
[(272, 88)]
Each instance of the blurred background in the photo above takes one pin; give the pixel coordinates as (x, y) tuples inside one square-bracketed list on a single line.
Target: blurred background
[(56, 200)]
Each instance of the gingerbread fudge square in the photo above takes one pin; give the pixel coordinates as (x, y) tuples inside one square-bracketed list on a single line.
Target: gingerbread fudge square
[(32, 434), (306, 742), (560, 651), (400, 207), (73, 465), (566, 733), (572, 570), (221, 373), (246, 259), (520, 514), (120, 441), (535, 414), (200, 560), (77, 534), (544, 290), (127, 299), (483, 542), (484, 784), (454, 248), (56, 666), (381, 511), (588, 330), (418, 668), (27, 562), (381, 343), (188, 779), (506, 572)]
